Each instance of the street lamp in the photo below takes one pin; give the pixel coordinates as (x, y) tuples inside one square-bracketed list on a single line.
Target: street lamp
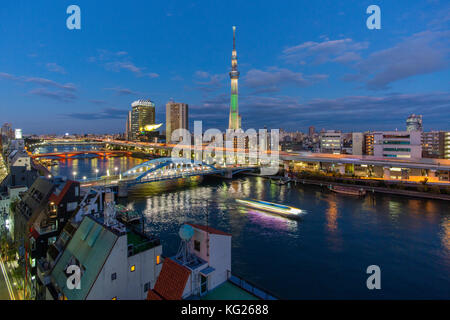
[(96, 174), (74, 174)]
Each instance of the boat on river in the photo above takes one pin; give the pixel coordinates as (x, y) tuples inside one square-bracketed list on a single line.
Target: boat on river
[(282, 210), (348, 190)]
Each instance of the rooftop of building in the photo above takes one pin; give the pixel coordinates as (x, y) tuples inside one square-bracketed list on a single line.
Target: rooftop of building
[(141, 242), (171, 281), (228, 291), (209, 229)]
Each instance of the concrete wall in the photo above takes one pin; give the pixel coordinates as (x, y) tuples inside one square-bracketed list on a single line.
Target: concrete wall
[(219, 259), (127, 285)]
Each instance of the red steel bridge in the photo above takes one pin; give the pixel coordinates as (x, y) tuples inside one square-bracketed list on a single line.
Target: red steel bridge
[(73, 154)]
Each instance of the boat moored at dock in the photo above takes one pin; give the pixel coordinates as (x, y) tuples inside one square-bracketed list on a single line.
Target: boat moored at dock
[(348, 190)]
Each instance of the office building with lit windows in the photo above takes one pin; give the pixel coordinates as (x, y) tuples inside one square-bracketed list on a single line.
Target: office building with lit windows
[(398, 144), (142, 115), (177, 117), (331, 142), (436, 144)]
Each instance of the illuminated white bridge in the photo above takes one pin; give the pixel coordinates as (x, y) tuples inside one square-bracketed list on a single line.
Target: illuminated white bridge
[(165, 169)]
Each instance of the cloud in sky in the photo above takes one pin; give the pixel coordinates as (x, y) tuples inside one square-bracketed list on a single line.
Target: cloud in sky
[(207, 82), (60, 95), (346, 113), (270, 79), (40, 81), (108, 113), (118, 61), (342, 51), (124, 91), (98, 101), (48, 88), (422, 53), (54, 67)]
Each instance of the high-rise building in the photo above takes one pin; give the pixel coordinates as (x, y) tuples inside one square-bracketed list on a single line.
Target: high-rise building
[(142, 115), (128, 126), (234, 119), (312, 130), (176, 118), (6, 133), (414, 123)]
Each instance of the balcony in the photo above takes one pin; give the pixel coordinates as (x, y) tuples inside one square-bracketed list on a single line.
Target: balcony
[(44, 228)]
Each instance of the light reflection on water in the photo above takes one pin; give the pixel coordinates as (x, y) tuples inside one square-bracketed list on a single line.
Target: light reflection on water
[(323, 255)]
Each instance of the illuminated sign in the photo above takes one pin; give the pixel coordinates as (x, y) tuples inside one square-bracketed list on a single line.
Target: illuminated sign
[(151, 127)]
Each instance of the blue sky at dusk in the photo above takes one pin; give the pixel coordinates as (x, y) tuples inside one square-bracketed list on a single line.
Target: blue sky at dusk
[(302, 63)]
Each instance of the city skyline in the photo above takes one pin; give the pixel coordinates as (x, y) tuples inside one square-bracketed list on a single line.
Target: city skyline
[(295, 71)]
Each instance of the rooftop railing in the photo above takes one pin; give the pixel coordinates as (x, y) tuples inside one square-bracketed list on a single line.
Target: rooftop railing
[(250, 287)]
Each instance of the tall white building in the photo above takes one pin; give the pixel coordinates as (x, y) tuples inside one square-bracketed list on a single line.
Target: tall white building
[(398, 144)]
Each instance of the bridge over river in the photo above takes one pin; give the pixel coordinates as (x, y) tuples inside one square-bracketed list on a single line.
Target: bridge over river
[(81, 153), (162, 169)]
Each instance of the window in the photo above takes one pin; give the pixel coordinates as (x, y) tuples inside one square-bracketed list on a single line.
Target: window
[(197, 245), (147, 287), (113, 276), (133, 267), (158, 259), (51, 240)]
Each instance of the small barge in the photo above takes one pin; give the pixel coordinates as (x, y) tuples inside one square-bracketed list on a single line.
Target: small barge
[(348, 190)]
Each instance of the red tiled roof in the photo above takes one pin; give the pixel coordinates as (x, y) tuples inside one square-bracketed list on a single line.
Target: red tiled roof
[(152, 295), (57, 198), (171, 281), (209, 229)]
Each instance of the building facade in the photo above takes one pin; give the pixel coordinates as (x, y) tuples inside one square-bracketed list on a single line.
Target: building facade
[(177, 117), (331, 142), (436, 144), (115, 263), (357, 143), (142, 115), (398, 144), (414, 123)]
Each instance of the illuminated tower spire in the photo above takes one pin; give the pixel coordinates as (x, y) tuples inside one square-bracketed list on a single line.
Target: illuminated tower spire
[(235, 118)]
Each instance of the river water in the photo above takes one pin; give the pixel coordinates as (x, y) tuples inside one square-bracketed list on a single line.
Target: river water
[(323, 256)]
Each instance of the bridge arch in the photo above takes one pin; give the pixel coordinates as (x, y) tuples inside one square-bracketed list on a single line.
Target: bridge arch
[(144, 169)]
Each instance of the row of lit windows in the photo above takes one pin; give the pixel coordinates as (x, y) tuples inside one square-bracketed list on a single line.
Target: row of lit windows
[(396, 142), (397, 149)]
